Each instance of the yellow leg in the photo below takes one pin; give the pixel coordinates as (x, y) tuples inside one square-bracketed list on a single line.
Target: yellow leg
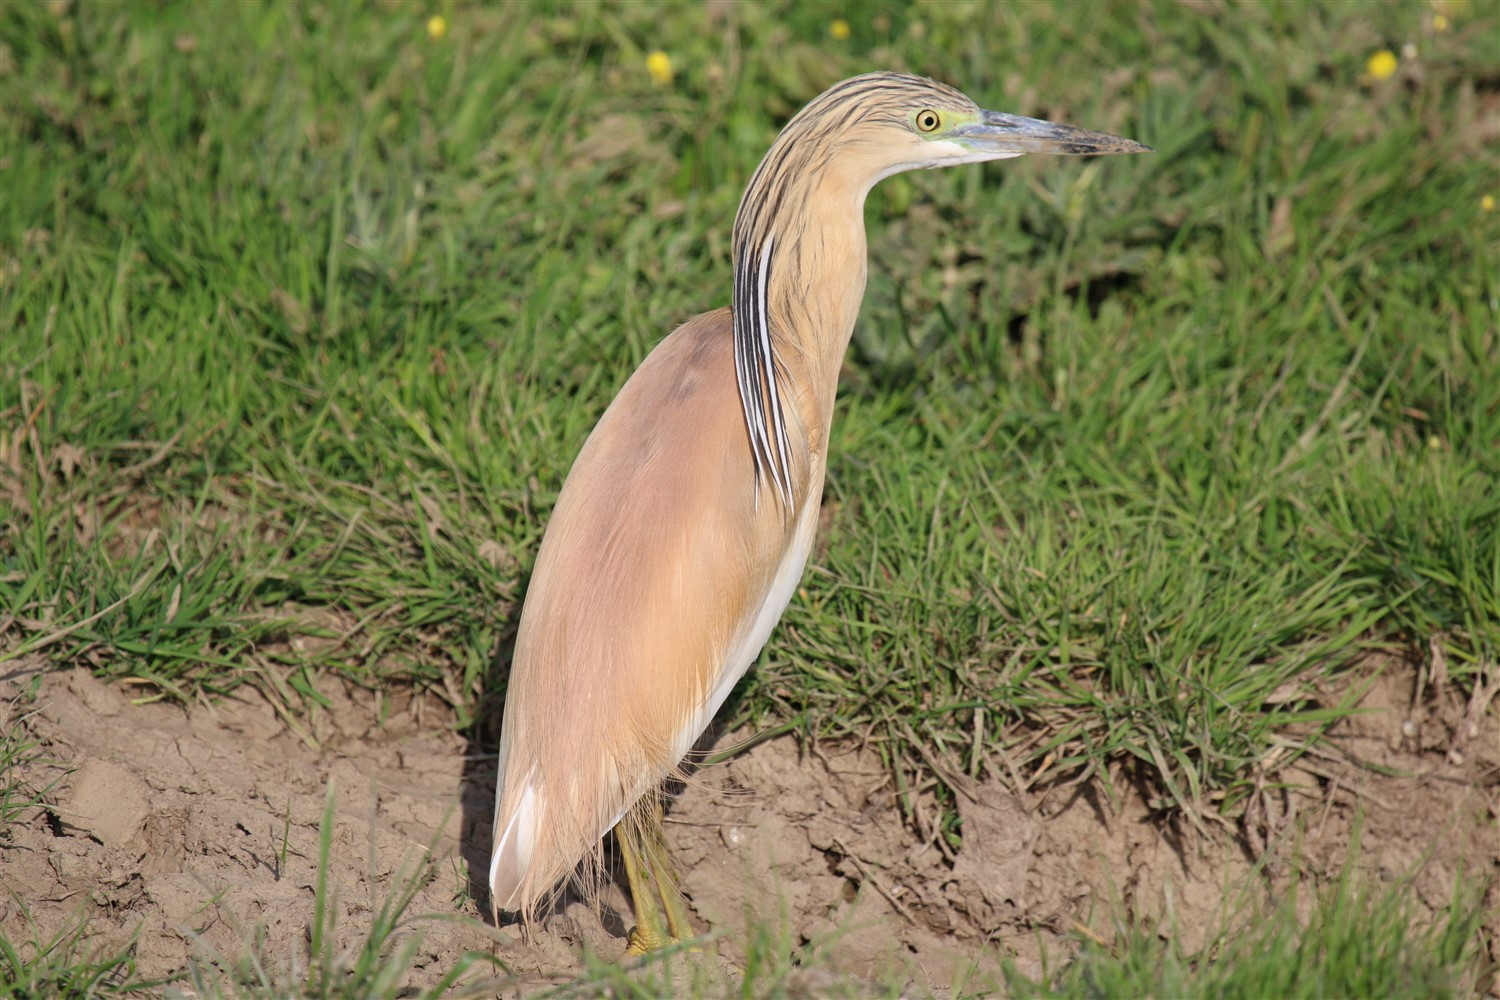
[(650, 931), (660, 913), (678, 921)]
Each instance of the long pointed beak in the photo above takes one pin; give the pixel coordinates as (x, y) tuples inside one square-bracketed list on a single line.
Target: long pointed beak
[(1004, 134)]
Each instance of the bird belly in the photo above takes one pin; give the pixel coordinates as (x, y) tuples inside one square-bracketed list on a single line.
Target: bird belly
[(752, 639), (747, 647)]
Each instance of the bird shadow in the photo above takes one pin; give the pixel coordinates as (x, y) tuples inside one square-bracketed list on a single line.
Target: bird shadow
[(477, 781)]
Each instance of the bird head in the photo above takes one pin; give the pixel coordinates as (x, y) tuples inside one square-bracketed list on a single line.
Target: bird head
[(891, 122)]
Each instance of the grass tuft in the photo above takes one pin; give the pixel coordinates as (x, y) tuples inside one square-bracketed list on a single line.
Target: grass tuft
[(70, 963)]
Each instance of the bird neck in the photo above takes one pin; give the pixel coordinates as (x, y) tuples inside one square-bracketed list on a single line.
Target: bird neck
[(813, 312), (799, 277)]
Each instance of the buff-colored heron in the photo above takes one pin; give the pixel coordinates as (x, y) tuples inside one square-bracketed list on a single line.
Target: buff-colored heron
[(682, 529)]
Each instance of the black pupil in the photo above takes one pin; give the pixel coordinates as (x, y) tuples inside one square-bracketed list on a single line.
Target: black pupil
[(928, 120)]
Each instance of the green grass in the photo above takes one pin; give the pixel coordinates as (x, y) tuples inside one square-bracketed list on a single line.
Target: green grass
[(305, 315), (67, 964)]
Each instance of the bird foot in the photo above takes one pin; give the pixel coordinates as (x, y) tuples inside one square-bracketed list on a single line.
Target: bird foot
[(652, 932), (643, 942)]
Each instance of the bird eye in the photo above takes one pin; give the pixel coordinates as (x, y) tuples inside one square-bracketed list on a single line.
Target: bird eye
[(928, 121)]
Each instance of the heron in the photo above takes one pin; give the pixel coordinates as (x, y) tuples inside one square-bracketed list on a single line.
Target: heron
[(682, 529)]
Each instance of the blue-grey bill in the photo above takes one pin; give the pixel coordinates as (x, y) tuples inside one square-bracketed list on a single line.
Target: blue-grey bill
[(1014, 133)]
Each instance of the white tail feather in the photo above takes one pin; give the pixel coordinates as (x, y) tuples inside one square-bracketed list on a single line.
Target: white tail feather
[(514, 848)]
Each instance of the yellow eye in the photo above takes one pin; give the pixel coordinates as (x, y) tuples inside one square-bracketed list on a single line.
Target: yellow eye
[(928, 121)]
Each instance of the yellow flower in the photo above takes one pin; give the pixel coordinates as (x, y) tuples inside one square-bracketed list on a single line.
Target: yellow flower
[(1487, 203), (1439, 23), (1381, 64), (437, 26), (660, 67), (839, 29)]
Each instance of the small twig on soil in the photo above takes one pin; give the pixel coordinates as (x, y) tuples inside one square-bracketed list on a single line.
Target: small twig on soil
[(1088, 932), (1439, 669), (931, 833), (1343, 755), (1354, 793), (865, 874), (942, 846), (817, 754), (1333, 788)]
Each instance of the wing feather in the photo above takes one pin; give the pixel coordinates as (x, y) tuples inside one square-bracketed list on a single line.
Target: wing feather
[(657, 571)]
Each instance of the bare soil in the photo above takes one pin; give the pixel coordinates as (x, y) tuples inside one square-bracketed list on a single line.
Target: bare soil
[(195, 829)]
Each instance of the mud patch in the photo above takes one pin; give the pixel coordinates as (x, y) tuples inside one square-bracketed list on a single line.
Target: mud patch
[(192, 829), (196, 829)]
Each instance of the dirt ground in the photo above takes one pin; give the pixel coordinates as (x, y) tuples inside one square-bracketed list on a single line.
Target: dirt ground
[(191, 829)]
